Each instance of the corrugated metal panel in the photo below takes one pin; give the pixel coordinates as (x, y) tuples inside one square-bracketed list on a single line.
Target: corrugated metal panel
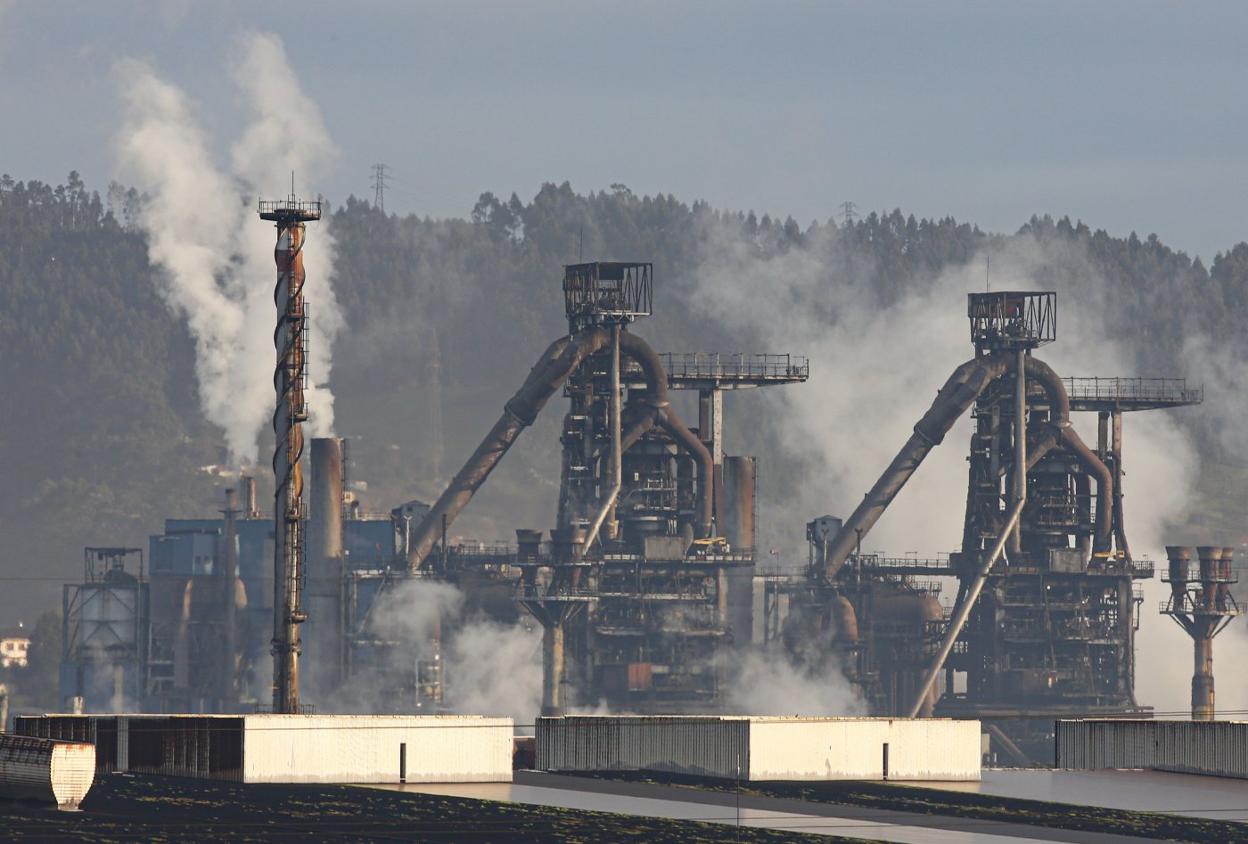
[(296, 748), (703, 746), (45, 770), (1218, 748), (763, 748), (368, 748)]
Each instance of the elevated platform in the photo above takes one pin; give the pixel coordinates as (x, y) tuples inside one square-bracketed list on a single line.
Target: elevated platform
[(1121, 394), (715, 371), (943, 566), (906, 565)]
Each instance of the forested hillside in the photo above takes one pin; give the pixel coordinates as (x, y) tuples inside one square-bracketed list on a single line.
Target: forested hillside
[(101, 435)]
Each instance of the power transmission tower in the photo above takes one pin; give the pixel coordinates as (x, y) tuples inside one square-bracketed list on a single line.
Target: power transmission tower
[(848, 212), (379, 187)]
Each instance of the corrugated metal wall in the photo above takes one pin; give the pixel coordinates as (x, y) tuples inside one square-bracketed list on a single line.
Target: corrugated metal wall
[(763, 748), (701, 746), (1219, 748), (294, 748)]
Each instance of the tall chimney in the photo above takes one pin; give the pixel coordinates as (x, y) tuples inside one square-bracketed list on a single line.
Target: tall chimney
[(289, 380), (228, 682), (250, 509), (323, 631)]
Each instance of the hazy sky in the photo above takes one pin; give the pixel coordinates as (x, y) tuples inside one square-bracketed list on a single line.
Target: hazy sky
[(1131, 115)]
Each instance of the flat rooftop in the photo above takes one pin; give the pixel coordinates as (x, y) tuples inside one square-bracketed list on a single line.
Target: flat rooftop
[(1189, 795)]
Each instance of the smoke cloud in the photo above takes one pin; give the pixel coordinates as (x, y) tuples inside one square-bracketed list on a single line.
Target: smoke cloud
[(876, 363), (202, 230), (769, 684), (489, 667)]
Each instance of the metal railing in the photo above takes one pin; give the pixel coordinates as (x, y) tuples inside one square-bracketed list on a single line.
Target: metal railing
[(296, 208), (1133, 390), (932, 564), (736, 367)]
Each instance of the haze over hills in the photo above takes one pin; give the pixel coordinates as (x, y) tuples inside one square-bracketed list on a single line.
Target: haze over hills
[(103, 434)]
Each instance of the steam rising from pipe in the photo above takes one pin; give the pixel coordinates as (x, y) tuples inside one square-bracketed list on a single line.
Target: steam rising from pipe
[(878, 356), (201, 228)]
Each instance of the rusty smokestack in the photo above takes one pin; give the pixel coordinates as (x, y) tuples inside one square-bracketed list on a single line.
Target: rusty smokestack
[(250, 508), (229, 589), (552, 669), (740, 475), (289, 380), (323, 631)]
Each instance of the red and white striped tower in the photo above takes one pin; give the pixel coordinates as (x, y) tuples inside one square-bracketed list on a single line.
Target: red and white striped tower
[(289, 380)]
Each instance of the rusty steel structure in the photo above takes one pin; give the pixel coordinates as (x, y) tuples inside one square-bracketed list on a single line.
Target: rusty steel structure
[(1203, 606), (290, 217), (646, 579), (1045, 611)]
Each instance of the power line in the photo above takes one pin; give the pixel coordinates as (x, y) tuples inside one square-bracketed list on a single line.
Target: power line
[(849, 211), (379, 187)]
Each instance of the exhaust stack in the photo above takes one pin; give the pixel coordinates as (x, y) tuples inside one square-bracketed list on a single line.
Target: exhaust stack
[(1203, 608), (289, 380)]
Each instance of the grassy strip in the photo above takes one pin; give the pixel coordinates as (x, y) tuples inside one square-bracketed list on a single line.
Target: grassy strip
[(161, 809), (932, 801)]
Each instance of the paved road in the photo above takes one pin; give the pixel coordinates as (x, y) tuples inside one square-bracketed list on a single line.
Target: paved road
[(772, 813)]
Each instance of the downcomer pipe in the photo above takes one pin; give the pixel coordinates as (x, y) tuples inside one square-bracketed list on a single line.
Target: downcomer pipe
[(1016, 511), (552, 369), (1043, 374), (958, 393), (664, 416)]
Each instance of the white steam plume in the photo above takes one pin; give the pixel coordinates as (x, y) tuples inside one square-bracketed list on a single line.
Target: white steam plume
[(489, 668), (770, 684), (217, 256), (875, 367)]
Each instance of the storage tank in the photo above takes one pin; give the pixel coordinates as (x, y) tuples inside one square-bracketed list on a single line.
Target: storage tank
[(45, 771)]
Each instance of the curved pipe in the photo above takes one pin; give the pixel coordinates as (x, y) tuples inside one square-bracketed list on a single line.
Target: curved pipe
[(1044, 375), (552, 369), (1103, 537), (663, 415), (958, 393)]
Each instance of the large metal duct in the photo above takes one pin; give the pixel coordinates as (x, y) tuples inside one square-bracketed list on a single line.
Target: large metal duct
[(552, 369), (1210, 569), (968, 595), (1180, 559), (954, 398), (667, 418), (1062, 431)]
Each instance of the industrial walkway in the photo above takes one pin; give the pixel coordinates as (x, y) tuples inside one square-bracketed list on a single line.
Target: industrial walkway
[(678, 803)]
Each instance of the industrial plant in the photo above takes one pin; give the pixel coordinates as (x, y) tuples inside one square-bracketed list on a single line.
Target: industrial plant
[(647, 586)]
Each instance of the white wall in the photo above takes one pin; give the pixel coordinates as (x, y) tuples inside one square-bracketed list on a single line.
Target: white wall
[(853, 749), (365, 748)]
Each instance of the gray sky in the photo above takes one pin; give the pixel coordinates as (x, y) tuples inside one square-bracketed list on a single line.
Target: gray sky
[(1130, 115)]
